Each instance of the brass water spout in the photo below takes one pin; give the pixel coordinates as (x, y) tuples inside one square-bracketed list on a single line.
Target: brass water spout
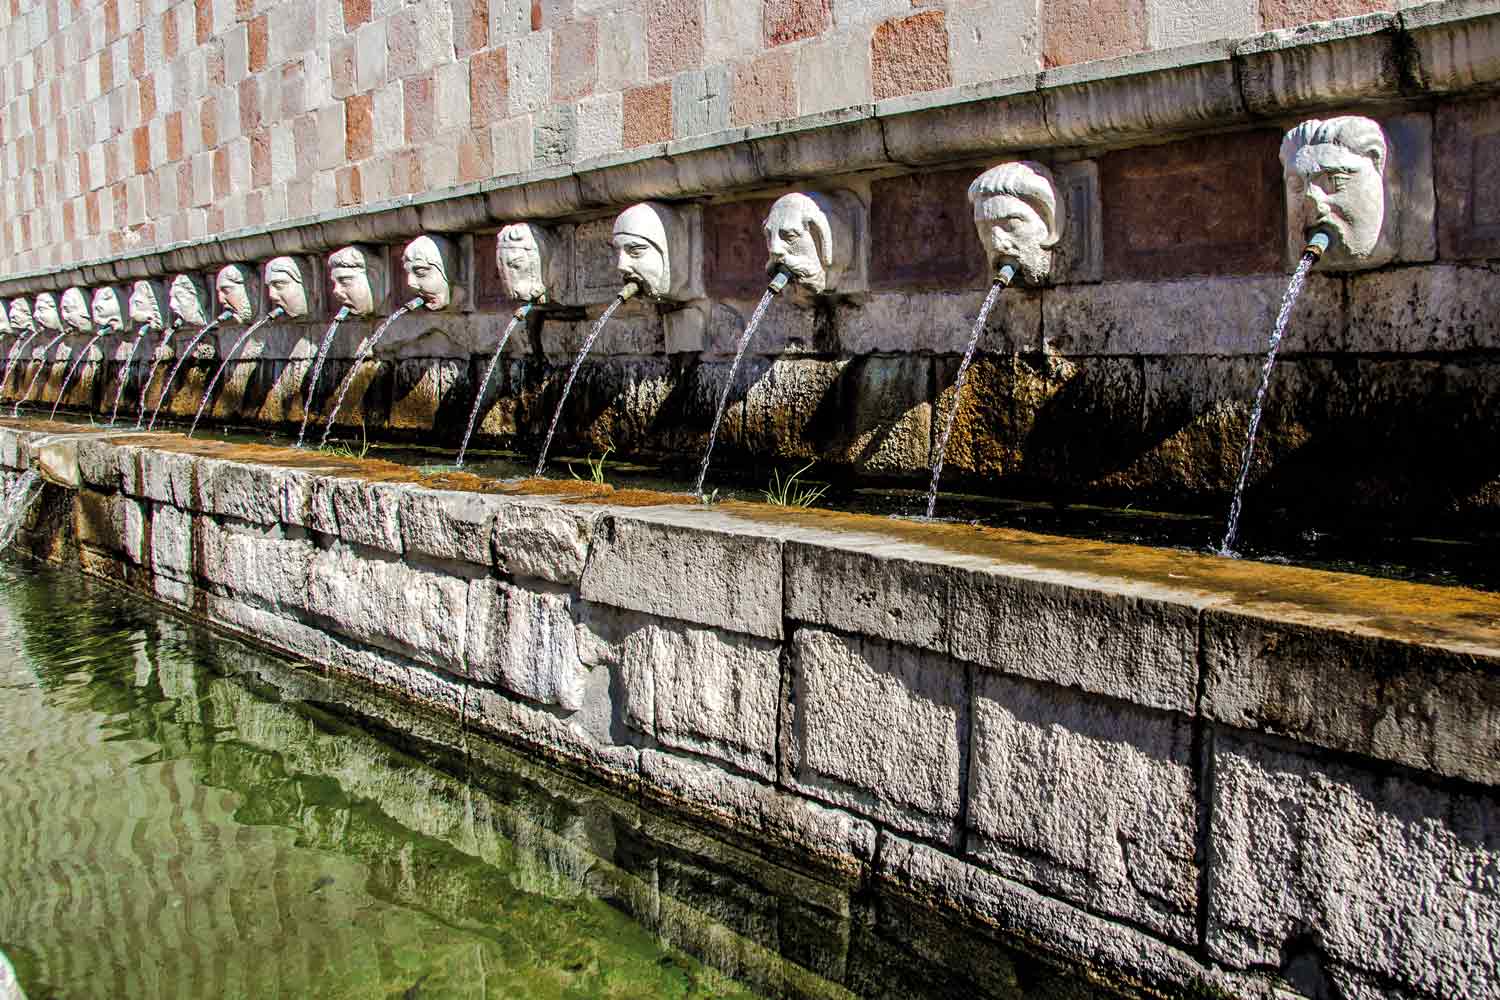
[(1317, 245), (1005, 274), (779, 281), (630, 290), (415, 303)]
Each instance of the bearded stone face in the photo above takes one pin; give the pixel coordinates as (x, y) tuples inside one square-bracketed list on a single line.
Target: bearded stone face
[(426, 273), (75, 311), (284, 287), (107, 315), (232, 288), (519, 260), (20, 316), (184, 300), (44, 313), (796, 231), (1014, 233)]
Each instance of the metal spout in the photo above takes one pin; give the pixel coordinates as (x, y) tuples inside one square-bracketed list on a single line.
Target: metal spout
[(779, 281), (225, 316), (1005, 274), (630, 291), (523, 310), (342, 314), (416, 303), (1318, 244)]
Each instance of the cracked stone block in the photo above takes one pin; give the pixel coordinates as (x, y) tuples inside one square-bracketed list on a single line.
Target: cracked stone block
[(1393, 878), (877, 729), (543, 540), (704, 691), (1089, 800), (171, 542), (254, 561), (526, 642), (448, 525)]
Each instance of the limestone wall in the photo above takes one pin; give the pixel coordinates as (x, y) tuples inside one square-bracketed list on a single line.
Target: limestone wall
[(1171, 768)]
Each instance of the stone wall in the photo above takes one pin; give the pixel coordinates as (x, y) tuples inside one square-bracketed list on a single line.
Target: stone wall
[(139, 123), (1173, 769)]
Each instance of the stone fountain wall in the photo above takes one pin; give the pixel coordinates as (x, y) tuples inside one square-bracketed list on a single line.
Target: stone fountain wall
[(1173, 769), (1131, 376)]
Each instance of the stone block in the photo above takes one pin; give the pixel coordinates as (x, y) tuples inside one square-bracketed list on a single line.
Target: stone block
[(1133, 641), (364, 513), (1153, 93), (879, 730), (704, 691), (700, 101), (1201, 316), (1074, 31), (566, 740), (171, 542), (543, 540), (910, 54), (413, 612), (1467, 147), (1362, 879), (939, 322), (1169, 210), (98, 464), (770, 816), (1427, 706), (1087, 799), (267, 627), (1416, 310), (1353, 59), (1455, 43), (246, 492), (255, 563), (735, 248), (922, 232), (448, 525), (1172, 23), (693, 565), (524, 641), (110, 522), (870, 585)]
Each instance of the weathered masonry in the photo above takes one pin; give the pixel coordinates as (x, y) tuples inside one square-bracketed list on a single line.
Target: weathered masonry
[(1170, 768)]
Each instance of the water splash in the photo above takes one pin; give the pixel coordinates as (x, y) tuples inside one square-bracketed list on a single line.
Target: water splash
[(156, 357), (626, 293), (15, 352), (187, 352), (234, 351), (1315, 249), (365, 349), (1002, 280), (16, 503), (777, 284), (317, 372), (41, 367), (73, 370), (114, 414), (510, 328)]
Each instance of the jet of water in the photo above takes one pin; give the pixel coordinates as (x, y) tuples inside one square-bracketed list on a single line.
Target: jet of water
[(1316, 247), (510, 328), (317, 372), (187, 352), (15, 352), (157, 355), (73, 370), (17, 501), (234, 351), (774, 289), (1003, 278), (628, 292), (31, 387), (367, 349), (114, 414)]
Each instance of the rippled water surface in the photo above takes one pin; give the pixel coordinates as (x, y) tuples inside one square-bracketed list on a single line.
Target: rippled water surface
[(184, 816)]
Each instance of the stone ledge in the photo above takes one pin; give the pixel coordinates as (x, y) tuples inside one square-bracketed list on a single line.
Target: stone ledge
[(1143, 96)]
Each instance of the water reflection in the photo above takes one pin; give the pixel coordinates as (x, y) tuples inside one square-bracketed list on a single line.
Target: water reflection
[(187, 816)]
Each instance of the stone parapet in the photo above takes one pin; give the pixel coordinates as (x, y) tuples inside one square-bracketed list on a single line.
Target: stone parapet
[(1179, 770)]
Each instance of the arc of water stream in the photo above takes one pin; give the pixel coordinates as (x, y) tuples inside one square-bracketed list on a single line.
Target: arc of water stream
[(1003, 278), (234, 351), (510, 328), (628, 292), (140, 335), (16, 502), (367, 349), (15, 352), (1316, 247), (73, 370), (36, 375), (187, 352), (774, 289), (317, 372), (157, 355)]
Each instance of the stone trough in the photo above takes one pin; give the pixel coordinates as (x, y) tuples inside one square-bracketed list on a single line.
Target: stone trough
[(1180, 771)]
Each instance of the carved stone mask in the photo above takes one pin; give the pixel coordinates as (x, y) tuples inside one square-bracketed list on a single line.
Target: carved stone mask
[(349, 278), (75, 311), (44, 312), (800, 240), (107, 314), (1335, 177), (146, 308), (20, 316), (234, 293), (427, 272), (643, 247), (284, 286), (521, 256), (184, 300), (1018, 218)]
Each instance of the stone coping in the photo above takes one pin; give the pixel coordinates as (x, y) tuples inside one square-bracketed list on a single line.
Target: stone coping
[(1434, 49), (1405, 673)]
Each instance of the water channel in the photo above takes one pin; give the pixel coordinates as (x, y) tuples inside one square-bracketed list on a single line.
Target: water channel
[(189, 816)]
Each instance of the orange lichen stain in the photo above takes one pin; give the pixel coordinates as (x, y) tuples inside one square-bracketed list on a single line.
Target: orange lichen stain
[(1396, 609)]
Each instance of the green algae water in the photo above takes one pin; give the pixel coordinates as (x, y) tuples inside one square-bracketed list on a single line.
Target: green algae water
[(184, 816)]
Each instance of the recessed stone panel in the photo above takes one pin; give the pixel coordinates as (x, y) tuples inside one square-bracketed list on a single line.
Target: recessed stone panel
[(922, 232), (736, 248), (1467, 161), (1210, 205)]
